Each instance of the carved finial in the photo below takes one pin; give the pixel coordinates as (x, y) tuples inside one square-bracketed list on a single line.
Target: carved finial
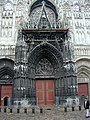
[(43, 3)]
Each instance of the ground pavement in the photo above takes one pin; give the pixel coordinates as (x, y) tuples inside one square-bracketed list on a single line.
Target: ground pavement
[(49, 113)]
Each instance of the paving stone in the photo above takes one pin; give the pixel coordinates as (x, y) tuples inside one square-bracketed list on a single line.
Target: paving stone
[(53, 114)]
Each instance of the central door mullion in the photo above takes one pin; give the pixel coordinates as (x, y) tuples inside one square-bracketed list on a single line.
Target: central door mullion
[(45, 91)]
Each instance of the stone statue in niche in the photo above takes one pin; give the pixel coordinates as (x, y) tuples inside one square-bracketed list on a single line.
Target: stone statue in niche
[(44, 67)]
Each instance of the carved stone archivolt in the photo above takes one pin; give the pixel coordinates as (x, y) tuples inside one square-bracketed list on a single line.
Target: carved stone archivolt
[(44, 60)]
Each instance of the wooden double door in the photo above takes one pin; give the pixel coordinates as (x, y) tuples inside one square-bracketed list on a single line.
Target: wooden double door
[(83, 89), (45, 92)]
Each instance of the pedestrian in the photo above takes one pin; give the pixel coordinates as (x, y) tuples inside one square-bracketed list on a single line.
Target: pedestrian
[(86, 106)]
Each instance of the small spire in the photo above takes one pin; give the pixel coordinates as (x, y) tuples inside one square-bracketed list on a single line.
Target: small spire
[(43, 3)]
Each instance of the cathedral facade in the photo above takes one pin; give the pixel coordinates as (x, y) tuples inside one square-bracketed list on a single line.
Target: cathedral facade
[(44, 50)]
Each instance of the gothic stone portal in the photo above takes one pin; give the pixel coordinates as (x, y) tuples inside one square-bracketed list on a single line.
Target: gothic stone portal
[(44, 61), (43, 57)]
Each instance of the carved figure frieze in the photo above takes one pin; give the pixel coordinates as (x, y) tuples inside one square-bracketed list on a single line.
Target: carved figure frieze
[(44, 67)]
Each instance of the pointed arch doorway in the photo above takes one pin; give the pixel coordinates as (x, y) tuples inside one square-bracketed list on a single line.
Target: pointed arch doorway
[(6, 101), (45, 82), (45, 91), (44, 65)]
